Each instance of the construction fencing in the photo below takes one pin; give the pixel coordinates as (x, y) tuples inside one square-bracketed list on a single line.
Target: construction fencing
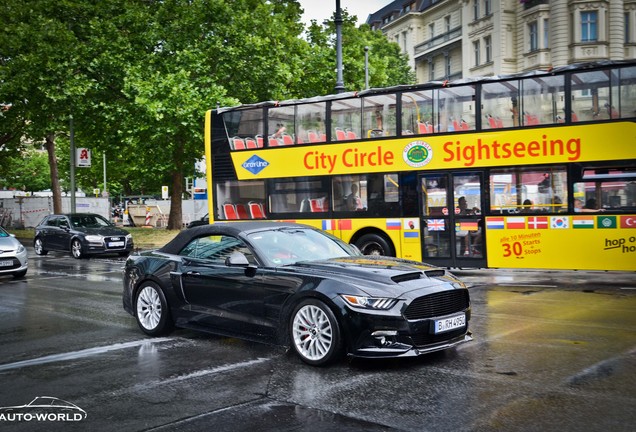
[(27, 212)]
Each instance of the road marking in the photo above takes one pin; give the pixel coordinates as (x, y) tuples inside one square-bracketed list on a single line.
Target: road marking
[(80, 354)]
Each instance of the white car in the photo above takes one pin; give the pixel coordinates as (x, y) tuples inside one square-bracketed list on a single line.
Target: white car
[(13, 256)]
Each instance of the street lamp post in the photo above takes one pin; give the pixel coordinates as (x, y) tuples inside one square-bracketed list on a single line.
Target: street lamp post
[(366, 67), (72, 139), (340, 88)]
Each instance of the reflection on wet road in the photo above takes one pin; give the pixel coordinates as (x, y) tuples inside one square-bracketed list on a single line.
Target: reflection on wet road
[(553, 351)]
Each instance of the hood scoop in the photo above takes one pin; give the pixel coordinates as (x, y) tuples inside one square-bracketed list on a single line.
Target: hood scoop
[(405, 277), (435, 273)]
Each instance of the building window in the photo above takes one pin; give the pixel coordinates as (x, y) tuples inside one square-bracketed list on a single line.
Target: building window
[(448, 66), (546, 33), (626, 28), (431, 28), (487, 10), (431, 71), (533, 35), (476, 9), (488, 47), (589, 26), (476, 51), (447, 23)]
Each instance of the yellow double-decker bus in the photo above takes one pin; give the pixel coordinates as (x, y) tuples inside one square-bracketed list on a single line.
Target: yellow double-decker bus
[(535, 170)]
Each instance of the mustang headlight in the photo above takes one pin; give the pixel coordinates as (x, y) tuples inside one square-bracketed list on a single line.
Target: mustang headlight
[(378, 303), (94, 238)]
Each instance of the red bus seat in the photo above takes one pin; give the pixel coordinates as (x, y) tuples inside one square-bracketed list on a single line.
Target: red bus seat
[(250, 143), (317, 205), (341, 135), (241, 211), (230, 211), (256, 210), (259, 141), (312, 136), (238, 143), (288, 139)]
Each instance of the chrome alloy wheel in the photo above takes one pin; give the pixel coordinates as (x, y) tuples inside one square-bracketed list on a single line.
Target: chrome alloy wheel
[(76, 249), (149, 308), (312, 332)]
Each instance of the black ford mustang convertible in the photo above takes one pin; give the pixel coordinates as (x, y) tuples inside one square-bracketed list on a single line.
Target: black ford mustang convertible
[(292, 284)]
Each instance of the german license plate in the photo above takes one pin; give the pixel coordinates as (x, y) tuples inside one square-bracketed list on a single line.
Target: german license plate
[(452, 323), (6, 263), (116, 244)]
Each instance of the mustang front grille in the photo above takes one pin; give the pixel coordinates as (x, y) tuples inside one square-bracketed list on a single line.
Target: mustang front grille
[(438, 304)]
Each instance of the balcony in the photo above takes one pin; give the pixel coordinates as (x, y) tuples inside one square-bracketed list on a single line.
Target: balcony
[(527, 4), (438, 41)]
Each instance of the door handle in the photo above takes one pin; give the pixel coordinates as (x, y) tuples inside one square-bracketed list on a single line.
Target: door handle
[(193, 273)]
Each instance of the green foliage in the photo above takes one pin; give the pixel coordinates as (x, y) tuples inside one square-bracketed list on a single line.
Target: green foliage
[(137, 77), (28, 171)]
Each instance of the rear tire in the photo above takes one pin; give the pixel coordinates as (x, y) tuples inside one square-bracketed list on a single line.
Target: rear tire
[(374, 244), (151, 310), (315, 333)]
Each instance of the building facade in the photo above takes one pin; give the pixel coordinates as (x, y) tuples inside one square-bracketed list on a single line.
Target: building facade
[(451, 39)]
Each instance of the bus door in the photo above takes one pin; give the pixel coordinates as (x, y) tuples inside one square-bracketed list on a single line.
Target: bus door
[(452, 223)]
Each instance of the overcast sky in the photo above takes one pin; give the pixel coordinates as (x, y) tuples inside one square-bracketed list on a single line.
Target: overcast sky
[(321, 10)]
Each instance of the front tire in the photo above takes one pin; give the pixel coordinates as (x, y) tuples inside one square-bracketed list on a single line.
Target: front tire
[(39, 247), (151, 310), (315, 333), (76, 249), (374, 244)]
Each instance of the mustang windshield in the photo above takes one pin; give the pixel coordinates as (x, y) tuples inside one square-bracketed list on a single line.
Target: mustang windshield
[(287, 246)]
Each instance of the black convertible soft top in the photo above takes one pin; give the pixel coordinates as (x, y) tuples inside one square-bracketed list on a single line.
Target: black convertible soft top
[(175, 245)]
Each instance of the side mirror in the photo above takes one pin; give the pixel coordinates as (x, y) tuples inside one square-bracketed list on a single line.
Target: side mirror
[(237, 259)]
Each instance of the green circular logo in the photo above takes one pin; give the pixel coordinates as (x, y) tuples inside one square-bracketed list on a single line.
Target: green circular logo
[(417, 154)]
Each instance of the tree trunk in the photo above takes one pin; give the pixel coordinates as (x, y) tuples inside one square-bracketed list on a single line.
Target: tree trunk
[(175, 220), (55, 181)]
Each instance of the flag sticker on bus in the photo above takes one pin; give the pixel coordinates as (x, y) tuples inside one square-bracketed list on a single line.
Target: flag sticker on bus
[(628, 222), (538, 222), (606, 222), (435, 224), (328, 225), (518, 222), (495, 223), (583, 222), (559, 222), (393, 224), (255, 164)]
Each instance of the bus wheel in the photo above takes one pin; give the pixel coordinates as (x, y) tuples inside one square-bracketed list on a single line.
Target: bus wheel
[(374, 244)]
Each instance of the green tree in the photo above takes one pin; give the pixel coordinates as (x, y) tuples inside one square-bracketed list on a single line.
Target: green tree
[(137, 77), (28, 171)]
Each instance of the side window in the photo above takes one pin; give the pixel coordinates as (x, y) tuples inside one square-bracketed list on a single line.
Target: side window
[(350, 193), (299, 196), (215, 248), (529, 190)]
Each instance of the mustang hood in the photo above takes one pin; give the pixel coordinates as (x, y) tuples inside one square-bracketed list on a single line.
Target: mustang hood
[(377, 275)]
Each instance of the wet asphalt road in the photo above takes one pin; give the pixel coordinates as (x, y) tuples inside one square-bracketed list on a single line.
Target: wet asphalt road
[(553, 351)]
